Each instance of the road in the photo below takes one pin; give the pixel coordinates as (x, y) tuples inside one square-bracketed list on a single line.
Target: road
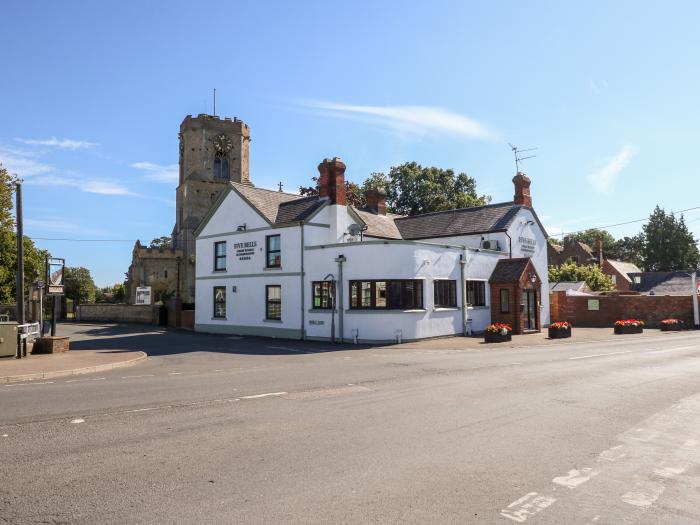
[(216, 429)]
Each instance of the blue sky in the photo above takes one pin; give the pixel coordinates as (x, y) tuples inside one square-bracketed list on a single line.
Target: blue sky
[(93, 94)]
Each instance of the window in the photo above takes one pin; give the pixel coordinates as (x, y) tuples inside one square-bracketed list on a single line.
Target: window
[(273, 300), (273, 251), (219, 302), (220, 167), (614, 278), (323, 298), (505, 300), (390, 294), (445, 293), (476, 293), (573, 259), (220, 256), (165, 272)]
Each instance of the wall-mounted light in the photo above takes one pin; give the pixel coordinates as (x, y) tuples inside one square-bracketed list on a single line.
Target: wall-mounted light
[(243, 227), (533, 277)]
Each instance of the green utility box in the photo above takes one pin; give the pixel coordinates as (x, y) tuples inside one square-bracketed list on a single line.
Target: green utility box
[(8, 339)]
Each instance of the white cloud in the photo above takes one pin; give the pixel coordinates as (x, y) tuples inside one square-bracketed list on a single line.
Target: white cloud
[(604, 179), (407, 120), (59, 143), (22, 163), (97, 186), (597, 86), (169, 173), (58, 224)]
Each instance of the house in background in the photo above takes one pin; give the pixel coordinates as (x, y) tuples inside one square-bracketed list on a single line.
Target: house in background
[(620, 272), (565, 286), (662, 283)]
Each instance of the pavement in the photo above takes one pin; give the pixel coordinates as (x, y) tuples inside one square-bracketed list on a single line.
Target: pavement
[(217, 429)]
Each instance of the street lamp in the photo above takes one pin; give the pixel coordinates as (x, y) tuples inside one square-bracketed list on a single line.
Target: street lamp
[(331, 293)]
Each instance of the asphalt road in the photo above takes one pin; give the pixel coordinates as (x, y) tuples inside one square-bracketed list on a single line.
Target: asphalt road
[(212, 429)]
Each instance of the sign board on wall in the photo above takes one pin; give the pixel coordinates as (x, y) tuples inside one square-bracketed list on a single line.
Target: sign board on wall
[(143, 295), (527, 245), (245, 250)]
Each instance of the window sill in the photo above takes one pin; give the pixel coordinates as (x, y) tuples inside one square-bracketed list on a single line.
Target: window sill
[(478, 307), (218, 319), (272, 320), (272, 269), (384, 311), (446, 309), (321, 310), (219, 271)]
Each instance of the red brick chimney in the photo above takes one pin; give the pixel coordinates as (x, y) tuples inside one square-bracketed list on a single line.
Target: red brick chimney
[(522, 190), (331, 180), (376, 200)]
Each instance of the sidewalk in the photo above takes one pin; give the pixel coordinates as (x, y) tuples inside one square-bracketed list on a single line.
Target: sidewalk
[(65, 364), (578, 335)]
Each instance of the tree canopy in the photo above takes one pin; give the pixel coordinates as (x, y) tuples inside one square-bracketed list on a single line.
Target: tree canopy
[(79, 285), (413, 189), (592, 274), (668, 245), (162, 242)]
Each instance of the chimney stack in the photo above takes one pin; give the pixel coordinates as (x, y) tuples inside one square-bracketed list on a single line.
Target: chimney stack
[(522, 190), (600, 251), (376, 200), (331, 180)]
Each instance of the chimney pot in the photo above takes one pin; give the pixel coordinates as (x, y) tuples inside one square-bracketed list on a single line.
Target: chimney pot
[(522, 190), (376, 200), (331, 180)]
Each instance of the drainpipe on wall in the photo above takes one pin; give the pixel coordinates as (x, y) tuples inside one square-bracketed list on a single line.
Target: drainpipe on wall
[(462, 279), (339, 294), (302, 334), (696, 316), (510, 245)]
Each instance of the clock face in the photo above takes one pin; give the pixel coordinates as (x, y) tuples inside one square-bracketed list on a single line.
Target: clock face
[(222, 143)]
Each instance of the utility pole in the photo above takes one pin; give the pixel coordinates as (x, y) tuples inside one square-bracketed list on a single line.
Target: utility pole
[(19, 292)]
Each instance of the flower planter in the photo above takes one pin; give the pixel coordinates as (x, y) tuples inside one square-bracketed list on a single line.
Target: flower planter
[(625, 330), (496, 337), (677, 327), (559, 333)]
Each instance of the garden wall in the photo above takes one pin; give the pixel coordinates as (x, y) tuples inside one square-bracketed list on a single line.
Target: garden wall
[(649, 308), (117, 313)]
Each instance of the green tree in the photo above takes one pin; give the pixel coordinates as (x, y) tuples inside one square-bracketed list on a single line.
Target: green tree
[(414, 189), (630, 249), (79, 285), (119, 292), (591, 236), (7, 182), (162, 242), (668, 244), (592, 274)]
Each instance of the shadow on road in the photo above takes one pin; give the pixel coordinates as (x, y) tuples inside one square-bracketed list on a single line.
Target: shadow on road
[(160, 341)]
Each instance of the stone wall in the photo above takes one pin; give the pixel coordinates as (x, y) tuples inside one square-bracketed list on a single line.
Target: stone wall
[(118, 313), (649, 308)]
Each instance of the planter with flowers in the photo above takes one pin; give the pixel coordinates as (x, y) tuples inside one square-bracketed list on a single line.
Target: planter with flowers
[(629, 326), (672, 325), (560, 330), (498, 333)]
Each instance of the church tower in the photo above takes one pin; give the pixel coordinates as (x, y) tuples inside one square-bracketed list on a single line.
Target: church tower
[(213, 151)]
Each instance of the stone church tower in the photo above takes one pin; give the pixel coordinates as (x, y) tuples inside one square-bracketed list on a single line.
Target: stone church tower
[(213, 151)]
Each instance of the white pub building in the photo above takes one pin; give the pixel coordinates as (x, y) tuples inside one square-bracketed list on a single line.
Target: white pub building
[(273, 264)]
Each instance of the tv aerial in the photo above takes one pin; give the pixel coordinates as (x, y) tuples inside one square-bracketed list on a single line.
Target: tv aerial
[(517, 154)]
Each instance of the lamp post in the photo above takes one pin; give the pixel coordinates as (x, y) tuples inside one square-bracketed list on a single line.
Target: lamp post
[(331, 293)]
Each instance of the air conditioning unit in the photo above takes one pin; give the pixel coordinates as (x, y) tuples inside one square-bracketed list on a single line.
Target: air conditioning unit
[(489, 245)]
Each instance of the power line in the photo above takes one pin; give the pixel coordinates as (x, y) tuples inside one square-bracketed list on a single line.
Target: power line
[(80, 240), (626, 222)]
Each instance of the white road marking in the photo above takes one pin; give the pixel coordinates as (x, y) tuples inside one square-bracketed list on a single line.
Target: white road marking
[(270, 394), (174, 373), (691, 443), (143, 375), (529, 505), (76, 421), (87, 379), (670, 472), (612, 454), (30, 384), (5, 435), (143, 409), (575, 477), (600, 355), (647, 494)]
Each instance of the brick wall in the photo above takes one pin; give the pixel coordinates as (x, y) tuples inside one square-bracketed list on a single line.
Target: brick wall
[(118, 313), (649, 308)]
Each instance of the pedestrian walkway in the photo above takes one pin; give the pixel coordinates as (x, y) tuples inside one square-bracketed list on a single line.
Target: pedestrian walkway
[(35, 367)]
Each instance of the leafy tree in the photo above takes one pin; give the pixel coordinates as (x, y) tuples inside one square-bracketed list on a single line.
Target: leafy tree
[(353, 193), (79, 285), (668, 244), (592, 274), (591, 236), (119, 292), (414, 189), (162, 242), (630, 249), (34, 258)]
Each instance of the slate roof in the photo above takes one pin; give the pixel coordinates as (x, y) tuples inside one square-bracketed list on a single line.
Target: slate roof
[(383, 226), (663, 283), (464, 221), (509, 270), (577, 286), (279, 207), (625, 268)]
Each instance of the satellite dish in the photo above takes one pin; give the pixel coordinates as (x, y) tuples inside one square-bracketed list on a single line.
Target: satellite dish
[(354, 229)]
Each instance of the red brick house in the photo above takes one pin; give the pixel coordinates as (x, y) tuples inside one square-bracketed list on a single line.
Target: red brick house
[(515, 295)]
